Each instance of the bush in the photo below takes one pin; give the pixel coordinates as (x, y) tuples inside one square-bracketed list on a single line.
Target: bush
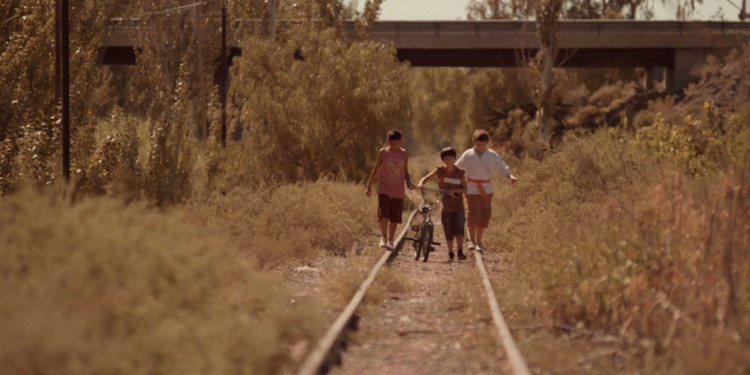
[(98, 287), (294, 221), (618, 242), (698, 146), (325, 112)]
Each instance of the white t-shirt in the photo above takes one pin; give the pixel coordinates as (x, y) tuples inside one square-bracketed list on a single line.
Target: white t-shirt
[(483, 167)]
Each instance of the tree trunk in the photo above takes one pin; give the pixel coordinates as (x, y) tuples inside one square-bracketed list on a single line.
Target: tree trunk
[(272, 10), (546, 110), (547, 32)]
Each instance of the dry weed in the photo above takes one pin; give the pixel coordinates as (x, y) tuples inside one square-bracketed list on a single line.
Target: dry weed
[(616, 242), (99, 287)]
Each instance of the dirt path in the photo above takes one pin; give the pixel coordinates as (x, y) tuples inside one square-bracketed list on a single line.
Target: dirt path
[(416, 333)]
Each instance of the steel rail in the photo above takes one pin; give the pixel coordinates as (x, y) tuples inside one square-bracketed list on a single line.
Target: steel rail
[(323, 354), (509, 345)]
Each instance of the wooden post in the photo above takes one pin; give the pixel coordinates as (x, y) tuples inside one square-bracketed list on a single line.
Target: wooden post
[(63, 8), (58, 52), (224, 75)]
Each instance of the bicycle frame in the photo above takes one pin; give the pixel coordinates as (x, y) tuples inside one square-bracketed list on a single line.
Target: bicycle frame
[(424, 232)]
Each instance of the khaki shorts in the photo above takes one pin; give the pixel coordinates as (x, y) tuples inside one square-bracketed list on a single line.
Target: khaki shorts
[(479, 210)]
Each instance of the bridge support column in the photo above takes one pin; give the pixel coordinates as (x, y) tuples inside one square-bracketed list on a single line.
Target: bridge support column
[(654, 75), (686, 66), (669, 83)]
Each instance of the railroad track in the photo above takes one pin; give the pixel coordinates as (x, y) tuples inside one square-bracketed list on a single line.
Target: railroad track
[(327, 352)]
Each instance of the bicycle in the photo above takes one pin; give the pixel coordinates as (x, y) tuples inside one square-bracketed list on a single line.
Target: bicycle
[(424, 232)]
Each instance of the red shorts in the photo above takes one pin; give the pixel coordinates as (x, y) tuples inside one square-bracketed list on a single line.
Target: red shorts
[(390, 208), (479, 210)]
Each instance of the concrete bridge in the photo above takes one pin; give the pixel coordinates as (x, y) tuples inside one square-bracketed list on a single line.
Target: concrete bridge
[(673, 47)]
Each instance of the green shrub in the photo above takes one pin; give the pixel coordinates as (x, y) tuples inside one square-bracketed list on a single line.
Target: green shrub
[(698, 146)]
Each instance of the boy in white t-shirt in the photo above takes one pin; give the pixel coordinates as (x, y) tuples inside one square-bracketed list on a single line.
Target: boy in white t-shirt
[(481, 165)]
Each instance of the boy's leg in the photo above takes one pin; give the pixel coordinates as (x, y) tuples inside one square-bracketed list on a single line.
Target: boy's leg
[(384, 210), (484, 220), (384, 226), (392, 230), (394, 218), (474, 207), (458, 227), (448, 228)]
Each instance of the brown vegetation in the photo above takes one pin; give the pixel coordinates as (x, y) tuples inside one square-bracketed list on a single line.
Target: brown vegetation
[(100, 287), (619, 242)]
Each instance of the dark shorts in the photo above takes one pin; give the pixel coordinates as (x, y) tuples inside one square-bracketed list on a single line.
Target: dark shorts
[(480, 210), (453, 224), (390, 208)]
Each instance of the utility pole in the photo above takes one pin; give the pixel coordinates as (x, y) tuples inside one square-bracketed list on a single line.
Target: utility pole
[(58, 52), (224, 75), (62, 58), (743, 13)]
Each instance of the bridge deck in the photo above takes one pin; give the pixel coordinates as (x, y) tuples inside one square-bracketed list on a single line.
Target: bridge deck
[(675, 45)]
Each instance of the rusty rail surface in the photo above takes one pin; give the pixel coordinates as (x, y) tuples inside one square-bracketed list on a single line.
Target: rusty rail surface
[(326, 352), (509, 345), (328, 348)]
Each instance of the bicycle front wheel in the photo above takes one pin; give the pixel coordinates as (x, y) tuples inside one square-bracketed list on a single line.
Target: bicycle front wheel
[(427, 243), (421, 244)]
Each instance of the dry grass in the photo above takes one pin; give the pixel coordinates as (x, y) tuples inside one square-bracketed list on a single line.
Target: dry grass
[(294, 222), (618, 242), (464, 294), (345, 275), (99, 287)]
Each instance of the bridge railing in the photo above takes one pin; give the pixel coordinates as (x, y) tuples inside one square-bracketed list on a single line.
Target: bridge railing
[(597, 26), (505, 26)]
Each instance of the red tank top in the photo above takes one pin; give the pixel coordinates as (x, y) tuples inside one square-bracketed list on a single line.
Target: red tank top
[(447, 181), (392, 177)]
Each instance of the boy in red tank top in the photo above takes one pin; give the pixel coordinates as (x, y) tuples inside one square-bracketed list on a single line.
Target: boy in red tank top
[(452, 179), (392, 169)]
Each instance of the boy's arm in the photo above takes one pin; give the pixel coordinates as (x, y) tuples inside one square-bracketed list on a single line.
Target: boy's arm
[(427, 178), (374, 172), (503, 169), (409, 184), (461, 162), (463, 188)]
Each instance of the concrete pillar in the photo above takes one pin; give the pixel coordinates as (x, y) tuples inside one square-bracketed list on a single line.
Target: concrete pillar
[(687, 64), (654, 75), (669, 82)]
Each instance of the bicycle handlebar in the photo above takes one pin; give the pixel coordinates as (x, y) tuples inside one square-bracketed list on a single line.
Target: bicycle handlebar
[(441, 191), (431, 189)]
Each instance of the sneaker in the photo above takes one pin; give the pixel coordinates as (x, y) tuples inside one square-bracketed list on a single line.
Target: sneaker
[(382, 242), (479, 247), (461, 255), (451, 255), (389, 245), (472, 245)]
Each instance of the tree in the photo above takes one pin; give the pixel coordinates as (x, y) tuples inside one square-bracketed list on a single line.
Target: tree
[(29, 126), (547, 20)]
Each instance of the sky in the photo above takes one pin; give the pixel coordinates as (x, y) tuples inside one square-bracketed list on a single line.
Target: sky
[(456, 10)]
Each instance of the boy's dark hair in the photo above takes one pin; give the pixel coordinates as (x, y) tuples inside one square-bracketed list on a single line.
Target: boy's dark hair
[(480, 135), (394, 135), (448, 151)]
